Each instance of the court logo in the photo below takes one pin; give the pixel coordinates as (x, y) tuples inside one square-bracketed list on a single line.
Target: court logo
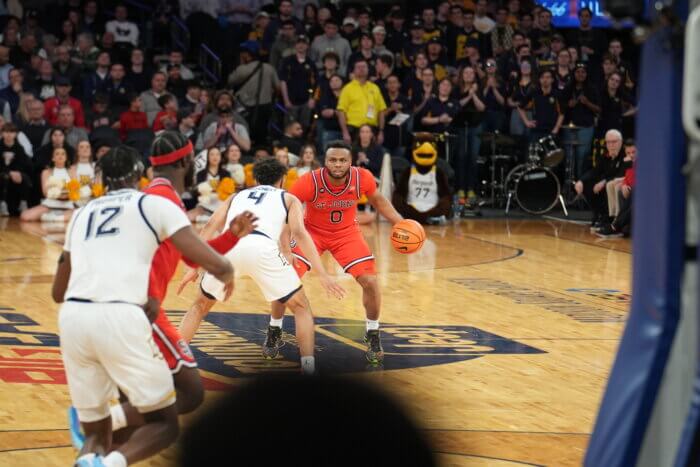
[(229, 344)]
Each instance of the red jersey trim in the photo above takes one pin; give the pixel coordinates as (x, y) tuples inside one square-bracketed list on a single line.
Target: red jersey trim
[(323, 180), (313, 177)]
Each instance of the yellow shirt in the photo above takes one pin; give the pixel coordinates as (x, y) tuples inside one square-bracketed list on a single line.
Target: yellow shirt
[(292, 178), (361, 104)]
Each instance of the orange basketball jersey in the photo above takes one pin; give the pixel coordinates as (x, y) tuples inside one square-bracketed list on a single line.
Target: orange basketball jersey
[(333, 208)]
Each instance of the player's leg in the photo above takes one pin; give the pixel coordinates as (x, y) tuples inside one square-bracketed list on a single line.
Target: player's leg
[(304, 324), (352, 252), (199, 309), (273, 339)]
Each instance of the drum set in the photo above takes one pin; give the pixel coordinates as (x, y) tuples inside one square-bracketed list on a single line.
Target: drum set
[(532, 185)]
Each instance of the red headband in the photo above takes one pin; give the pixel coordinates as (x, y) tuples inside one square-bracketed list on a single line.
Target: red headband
[(171, 157)]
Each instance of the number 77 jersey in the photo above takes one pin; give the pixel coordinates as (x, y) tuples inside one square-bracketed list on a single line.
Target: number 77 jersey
[(332, 208)]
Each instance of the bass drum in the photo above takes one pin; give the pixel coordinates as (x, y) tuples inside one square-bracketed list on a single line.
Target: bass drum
[(535, 189)]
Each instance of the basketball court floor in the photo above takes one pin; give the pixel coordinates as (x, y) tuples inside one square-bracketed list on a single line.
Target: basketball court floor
[(499, 337)]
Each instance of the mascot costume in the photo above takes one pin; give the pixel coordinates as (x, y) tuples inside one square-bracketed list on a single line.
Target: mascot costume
[(422, 192)]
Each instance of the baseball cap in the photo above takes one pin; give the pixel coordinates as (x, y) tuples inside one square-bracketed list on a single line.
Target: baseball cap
[(378, 30), (416, 24), (302, 38), (349, 20)]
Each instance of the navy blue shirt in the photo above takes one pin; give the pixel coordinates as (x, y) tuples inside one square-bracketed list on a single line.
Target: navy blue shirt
[(300, 78), (434, 108)]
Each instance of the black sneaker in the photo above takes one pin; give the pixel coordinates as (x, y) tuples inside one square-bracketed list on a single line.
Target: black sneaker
[(273, 340), (375, 352), (608, 232)]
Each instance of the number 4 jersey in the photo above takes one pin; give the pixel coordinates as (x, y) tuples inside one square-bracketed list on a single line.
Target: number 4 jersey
[(112, 241), (332, 208)]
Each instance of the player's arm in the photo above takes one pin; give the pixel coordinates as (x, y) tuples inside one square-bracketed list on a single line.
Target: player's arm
[(191, 246), (383, 206), (60, 280), (286, 244), (298, 231)]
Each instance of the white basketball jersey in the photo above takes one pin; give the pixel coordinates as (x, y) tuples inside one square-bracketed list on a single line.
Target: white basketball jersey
[(267, 203), (423, 190), (112, 241)]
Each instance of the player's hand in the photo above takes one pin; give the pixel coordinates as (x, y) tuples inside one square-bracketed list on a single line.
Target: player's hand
[(190, 276), (151, 308), (228, 289), (243, 224), (332, 287)]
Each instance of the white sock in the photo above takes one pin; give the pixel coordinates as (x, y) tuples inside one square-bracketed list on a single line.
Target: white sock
[(118, 417), (86, 457), (372, 325), (308, 366), (276, 322), (114, 459)]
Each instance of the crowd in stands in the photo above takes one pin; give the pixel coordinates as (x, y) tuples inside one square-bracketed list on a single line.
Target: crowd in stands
[(297, 75)]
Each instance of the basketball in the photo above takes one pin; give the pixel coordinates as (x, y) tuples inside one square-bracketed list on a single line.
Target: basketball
[(407, 236)]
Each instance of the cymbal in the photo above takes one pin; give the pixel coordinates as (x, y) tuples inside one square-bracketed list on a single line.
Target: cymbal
[(498, 139)]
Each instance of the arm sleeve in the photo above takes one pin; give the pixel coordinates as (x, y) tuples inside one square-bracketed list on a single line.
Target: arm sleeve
[(303, 188), (368, 184), (164, 217)]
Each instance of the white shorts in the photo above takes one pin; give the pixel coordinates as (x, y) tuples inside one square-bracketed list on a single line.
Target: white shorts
[(109, 346), (258, 257)]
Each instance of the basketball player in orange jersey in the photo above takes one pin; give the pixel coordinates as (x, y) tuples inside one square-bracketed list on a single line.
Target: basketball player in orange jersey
[(172, 161), (331, 194)]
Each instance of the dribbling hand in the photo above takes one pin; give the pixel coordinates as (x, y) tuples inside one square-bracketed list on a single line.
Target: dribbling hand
[(243, 224), (228, 289), (332, 287)]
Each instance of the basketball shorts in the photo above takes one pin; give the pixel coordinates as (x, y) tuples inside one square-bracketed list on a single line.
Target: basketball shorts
[(258, 257), (349, 249), (109, 346), (171, 344)]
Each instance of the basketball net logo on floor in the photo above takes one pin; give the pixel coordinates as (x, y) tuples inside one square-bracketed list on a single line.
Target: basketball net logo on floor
[(228, 345)]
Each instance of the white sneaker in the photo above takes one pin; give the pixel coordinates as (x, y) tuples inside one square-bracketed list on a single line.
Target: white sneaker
[(4, 212), (23, 206)]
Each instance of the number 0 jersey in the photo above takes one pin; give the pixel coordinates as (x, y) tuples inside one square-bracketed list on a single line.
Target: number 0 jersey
[(333, 208), (112, 241)]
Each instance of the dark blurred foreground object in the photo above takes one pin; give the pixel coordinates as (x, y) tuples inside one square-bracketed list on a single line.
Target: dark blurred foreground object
[(302, 420), (624, 9)]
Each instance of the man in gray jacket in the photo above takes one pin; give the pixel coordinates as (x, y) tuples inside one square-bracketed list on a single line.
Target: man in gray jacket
[(256, 84), (149, 99), (331, 41)]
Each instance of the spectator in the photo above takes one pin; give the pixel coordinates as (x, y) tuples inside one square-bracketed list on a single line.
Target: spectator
[(92, 22), (622, 224), (293, 140), (176, 58), (365, 53), (615, 105), (327, 126), (436, 58), (15, 170), (5, 67), (132, 119), (312, 27), (482, 22), (10, 35), (257, 84), (367, 152), (384, 68), (584, 106), (282, 155), (589, 40), (297, 75), (379, 37), (234, 166), (494, 99), (330, 41), (68, 34), (166, 119), (176, 85), (473, 59), (19, 56), (421, 95), (350, 32), (84, 168), (607, 166), (52, 105), (360, 103), (36, 126), (57, 169), (468, 118), (124, 30), (149, 99), (430, 29), (563, 75), (509, 61), (48, 47), (223, 133), (213, 173), (364, 21), (66, 121), (191, 101), (330, 68), (43, 83), (547, 114), (307, 161), (284, 45), (101, 113), (107, 45), (396, 36), (118, 88), (97, 80), (284, 13), (397, 102), (502, 33), (223, 102), (64, 67), (520, 88), (138, 74), (541, 36), (11, 93), (624, 68), (187, 125), (85, 53), (415, 46)]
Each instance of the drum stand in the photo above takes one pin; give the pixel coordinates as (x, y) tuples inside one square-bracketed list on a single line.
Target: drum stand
[(569, 176), (494, 185)]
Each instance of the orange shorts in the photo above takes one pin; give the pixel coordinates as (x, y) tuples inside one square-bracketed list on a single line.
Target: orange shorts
[(348, 247), (171, 344)]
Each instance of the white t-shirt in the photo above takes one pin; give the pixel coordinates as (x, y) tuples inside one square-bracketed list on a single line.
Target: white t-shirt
[(112, 241), (124, 31)]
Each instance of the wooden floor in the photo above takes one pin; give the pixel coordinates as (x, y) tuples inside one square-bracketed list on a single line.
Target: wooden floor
[(499, 337)]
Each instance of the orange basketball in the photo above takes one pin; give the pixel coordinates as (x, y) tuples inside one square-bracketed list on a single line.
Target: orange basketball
[(407, 236)]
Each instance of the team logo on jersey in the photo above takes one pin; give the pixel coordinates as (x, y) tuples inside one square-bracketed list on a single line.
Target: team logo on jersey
[(229, 344)]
